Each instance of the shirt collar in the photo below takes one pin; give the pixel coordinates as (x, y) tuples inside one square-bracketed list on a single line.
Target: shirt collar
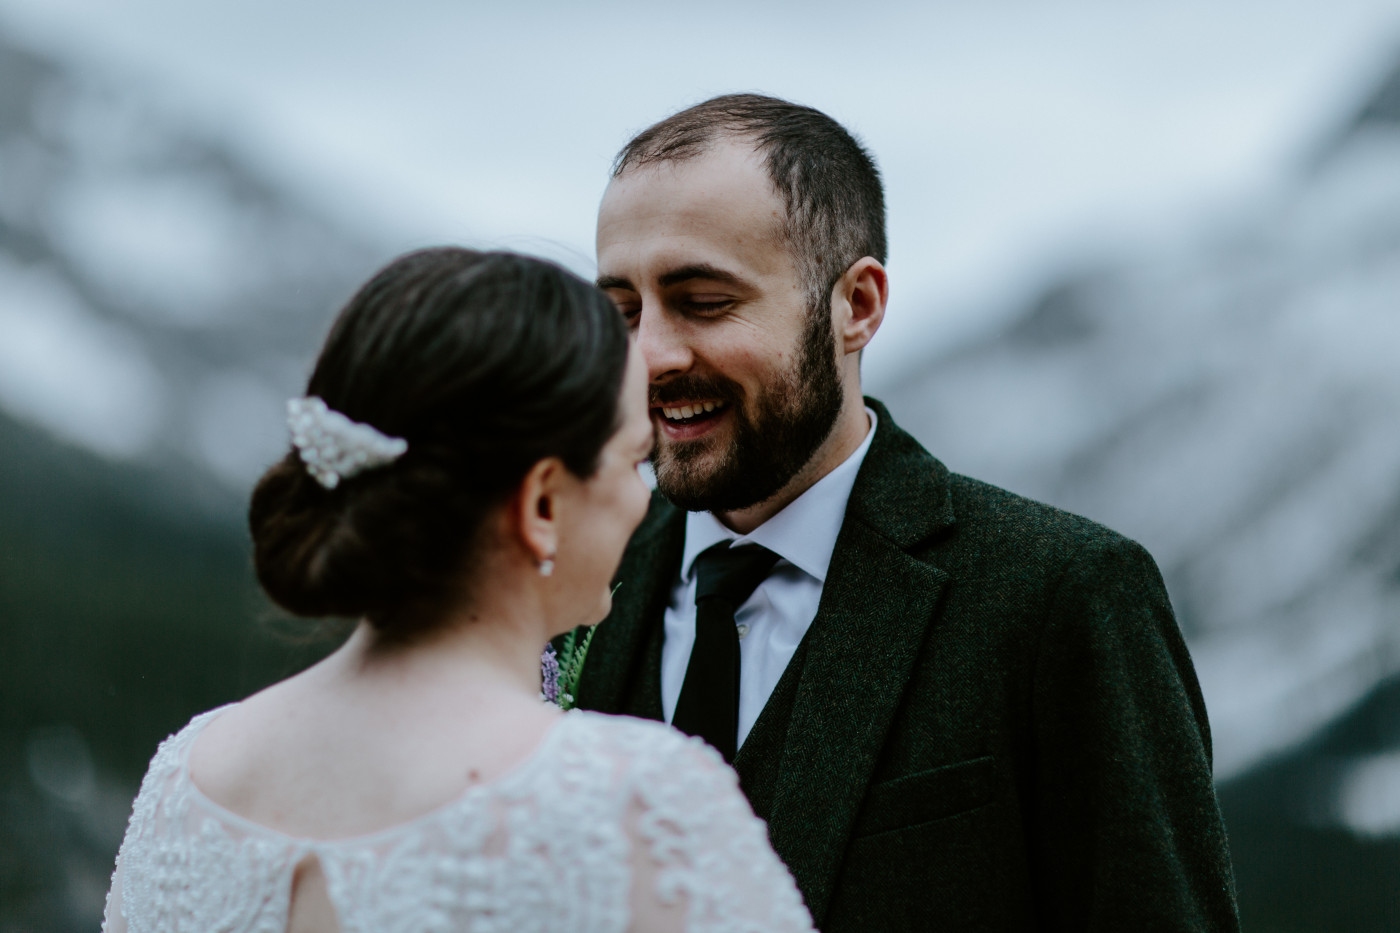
[(804, 533)]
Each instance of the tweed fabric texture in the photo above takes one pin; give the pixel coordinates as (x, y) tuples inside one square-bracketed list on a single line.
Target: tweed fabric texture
[(992, 724)]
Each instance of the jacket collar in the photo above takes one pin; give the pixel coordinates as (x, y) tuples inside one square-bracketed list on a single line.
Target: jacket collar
[(902, 492)]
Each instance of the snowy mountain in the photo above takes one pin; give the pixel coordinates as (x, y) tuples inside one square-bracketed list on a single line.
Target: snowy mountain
[(1232, 400), (159, 297)]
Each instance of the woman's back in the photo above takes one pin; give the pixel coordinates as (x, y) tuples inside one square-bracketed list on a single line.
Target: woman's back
[(349, 749), (608, 824), (362, 742)]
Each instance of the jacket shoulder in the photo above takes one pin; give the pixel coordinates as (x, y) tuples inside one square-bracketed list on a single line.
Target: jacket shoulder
[(993, 525), (980, 503)]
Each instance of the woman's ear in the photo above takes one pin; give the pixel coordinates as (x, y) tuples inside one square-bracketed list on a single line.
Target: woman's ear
[(535, 510)]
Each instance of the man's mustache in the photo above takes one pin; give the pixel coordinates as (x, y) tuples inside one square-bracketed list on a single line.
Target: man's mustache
[(690, 388)]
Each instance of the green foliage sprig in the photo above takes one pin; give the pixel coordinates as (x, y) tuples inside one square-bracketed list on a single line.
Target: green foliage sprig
[(561, 671)]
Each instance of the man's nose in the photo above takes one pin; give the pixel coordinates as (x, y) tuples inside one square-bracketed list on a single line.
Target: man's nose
[(663, 343)]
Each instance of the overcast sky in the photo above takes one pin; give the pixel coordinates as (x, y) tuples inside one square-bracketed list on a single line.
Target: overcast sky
[(1015, 136)]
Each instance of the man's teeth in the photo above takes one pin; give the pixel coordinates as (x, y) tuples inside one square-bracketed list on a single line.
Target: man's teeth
[(690, 411)]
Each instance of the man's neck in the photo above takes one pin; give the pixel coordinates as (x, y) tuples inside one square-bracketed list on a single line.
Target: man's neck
[(845, 438)]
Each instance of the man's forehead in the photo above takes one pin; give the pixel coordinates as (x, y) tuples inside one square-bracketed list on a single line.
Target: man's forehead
[(726, 155), (714, 208), (724, 170)]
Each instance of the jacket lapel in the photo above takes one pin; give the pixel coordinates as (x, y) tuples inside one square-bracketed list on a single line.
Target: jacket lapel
[(849, 675), (623, 670), (876, 606)]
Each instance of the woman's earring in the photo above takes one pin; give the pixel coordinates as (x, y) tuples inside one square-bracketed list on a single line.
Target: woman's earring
[(546, 566)]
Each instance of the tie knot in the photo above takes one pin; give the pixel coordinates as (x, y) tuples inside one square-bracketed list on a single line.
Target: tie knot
[(732, 573)]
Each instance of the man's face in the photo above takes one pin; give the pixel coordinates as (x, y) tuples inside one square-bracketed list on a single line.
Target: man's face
[(744, 382)]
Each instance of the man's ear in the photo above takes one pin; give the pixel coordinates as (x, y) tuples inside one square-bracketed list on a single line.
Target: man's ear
[(535, 509), (859, 300)]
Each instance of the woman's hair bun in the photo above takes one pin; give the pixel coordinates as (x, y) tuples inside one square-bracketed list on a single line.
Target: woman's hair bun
[(484, 363)]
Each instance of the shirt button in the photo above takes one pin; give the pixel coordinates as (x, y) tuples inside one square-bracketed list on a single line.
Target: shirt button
[(743, 630)]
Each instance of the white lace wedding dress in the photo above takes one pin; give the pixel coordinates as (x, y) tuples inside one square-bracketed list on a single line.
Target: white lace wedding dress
[(547, 846)]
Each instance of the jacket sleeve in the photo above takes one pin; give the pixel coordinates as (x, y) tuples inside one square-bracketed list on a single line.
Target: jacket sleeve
[(1126, 831)]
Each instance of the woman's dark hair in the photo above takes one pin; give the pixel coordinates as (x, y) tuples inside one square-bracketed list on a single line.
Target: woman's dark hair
[(485, 363)]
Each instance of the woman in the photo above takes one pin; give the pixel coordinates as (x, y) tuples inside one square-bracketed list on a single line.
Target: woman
[(463, 479)]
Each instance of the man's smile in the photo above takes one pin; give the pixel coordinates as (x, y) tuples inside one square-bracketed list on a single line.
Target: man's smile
[(690, 419)]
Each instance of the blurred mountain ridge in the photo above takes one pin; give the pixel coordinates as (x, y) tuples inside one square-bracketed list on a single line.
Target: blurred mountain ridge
[(159, 300), (160, 297), (1381, 110), (1229, 399), (121, 613), (1230, 402)]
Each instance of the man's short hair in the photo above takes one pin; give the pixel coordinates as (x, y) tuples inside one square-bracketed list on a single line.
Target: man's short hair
[(828, 182)]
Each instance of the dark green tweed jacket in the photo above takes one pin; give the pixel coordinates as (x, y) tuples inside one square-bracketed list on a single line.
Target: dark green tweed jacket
[(992, 724)]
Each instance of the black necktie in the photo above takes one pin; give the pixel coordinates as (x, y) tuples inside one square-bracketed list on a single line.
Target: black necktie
[(709, 701)]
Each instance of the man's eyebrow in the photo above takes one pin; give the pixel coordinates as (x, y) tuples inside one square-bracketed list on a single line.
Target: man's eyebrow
[(699, 271), (606, 282)]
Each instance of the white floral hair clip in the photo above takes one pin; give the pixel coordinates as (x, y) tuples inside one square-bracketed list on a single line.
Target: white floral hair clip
[(335, 448)]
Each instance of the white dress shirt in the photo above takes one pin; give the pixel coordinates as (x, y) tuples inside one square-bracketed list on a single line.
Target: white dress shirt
[(776, 617)]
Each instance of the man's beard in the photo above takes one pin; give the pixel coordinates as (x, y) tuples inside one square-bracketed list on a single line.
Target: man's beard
[(774, 438)]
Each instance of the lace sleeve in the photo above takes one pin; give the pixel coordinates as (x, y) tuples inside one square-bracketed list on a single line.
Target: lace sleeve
[(702, 862), (113, 919), (147, 849)]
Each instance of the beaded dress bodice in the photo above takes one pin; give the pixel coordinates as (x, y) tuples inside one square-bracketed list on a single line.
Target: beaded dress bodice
[(547, 846)]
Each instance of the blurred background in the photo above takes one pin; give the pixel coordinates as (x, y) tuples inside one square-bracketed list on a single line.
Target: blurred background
[(1145, 265)]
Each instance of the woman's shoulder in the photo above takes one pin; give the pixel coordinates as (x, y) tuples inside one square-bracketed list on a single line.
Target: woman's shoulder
[(643, 735), (186, 733), (166, 772), (174, 748), (649, 750)]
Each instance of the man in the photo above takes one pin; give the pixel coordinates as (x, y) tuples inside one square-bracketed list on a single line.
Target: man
[(956, 708)]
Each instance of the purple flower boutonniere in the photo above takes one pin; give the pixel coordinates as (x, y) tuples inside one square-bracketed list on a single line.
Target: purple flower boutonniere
[(560, 671)]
